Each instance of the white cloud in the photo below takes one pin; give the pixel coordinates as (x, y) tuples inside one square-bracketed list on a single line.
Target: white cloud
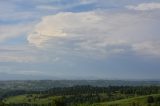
[(46, 7), (95, 33), (145, 6), (63, 24), (25, 54), (10, 13), (20, 54), (15, 58), (147, 48), (11, 31), (87, 1)]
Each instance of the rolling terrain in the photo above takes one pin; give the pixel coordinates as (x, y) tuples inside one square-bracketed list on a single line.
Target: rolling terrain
[(85, 95), (47, 84)]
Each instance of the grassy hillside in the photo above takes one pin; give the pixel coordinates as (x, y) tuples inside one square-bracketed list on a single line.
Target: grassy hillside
[(41, 99), (31, 99), (135, 101), (85, 96)]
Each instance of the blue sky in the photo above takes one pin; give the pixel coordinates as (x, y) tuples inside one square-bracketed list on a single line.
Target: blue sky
[(83, 39)]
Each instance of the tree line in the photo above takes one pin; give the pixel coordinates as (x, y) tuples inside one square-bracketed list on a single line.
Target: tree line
[(73, 96)]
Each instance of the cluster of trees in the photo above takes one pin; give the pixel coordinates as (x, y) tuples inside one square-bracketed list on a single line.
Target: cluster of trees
[(128, 90), (153, 101), (72, 96), (12, 93), (61, 91), (150, 101)]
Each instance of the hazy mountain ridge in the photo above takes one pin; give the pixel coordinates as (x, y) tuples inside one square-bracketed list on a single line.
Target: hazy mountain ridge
[(47, 84)]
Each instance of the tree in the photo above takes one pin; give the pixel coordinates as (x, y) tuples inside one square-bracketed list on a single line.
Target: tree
[(150, 99)]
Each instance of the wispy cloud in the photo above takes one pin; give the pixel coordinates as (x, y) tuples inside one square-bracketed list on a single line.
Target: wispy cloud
[(147, 48), (13, 31), (145, 6), (47, 7)]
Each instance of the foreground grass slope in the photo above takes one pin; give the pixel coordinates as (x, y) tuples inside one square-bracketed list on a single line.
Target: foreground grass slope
[(31, 99), (85, 96), (41, 99), (135, 101)]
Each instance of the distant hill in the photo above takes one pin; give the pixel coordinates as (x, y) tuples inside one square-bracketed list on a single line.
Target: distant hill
[(46, 84)]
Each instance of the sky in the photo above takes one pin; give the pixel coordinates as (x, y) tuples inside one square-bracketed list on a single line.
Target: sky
[(79, 39)]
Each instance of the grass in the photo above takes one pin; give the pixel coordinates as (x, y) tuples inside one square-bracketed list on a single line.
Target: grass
[(39, 99), (30, 99), (141, 100)]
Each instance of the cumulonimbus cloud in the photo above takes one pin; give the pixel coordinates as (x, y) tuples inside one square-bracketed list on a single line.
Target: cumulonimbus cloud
[(96, 32), (62, 25)]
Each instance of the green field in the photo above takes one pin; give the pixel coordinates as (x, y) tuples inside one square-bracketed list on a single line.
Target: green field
[(84, 96), (140, 101), (40, 99), (31, 99)]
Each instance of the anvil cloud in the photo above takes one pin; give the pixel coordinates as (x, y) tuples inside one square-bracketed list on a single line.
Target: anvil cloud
[(79, 39)]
